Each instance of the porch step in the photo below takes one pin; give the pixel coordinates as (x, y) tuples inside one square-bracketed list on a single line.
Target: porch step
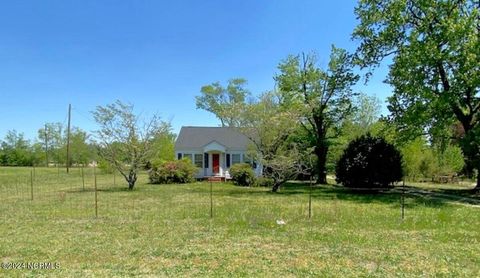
[(216, 179)]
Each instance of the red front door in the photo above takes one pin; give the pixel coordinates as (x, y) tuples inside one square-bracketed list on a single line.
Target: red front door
[(216, 163)]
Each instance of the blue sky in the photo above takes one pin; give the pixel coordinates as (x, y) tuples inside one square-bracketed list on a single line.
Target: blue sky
[(153, 54)]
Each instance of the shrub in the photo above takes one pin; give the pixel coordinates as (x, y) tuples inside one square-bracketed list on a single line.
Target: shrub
[(178, 171), (369, 162), (242, 174), (105, 167), (264, 182)]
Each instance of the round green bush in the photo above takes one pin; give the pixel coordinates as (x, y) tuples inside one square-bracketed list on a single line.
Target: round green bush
[(264, 182), (178, 171), (369, 162), (242, 174)]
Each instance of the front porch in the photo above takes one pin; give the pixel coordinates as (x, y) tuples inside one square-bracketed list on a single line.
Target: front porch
[(215, 165)]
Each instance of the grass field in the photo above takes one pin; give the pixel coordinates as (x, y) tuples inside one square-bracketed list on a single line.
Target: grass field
[(166, 230)]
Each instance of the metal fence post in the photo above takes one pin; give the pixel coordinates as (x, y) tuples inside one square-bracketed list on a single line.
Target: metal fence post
[(310, 199), (31, 185), (211, 200), (95, 185)]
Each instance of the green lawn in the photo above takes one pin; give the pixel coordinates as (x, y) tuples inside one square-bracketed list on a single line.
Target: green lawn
[(166, 230)]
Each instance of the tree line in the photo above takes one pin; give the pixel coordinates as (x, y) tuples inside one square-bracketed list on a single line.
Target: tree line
[(48, 149)]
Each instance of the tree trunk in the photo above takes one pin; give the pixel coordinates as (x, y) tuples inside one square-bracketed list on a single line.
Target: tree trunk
[(321, 153), (468, 169), (275, 187), (131, 184), (132, 179)]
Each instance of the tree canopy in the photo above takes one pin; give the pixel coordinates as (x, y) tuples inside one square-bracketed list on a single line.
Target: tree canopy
[(435, 72), (224, 102), (125, 139), (324, 97)]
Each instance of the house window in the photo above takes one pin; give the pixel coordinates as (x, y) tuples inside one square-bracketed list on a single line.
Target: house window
[(228, 160), (206, 160), (188, 155), (198, 160), (236, 158), (179, 156)]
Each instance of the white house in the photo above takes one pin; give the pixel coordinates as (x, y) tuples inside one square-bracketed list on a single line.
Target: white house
[(214, 150)]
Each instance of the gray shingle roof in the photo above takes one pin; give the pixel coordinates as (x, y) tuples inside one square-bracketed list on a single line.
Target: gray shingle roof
[(196, 137)]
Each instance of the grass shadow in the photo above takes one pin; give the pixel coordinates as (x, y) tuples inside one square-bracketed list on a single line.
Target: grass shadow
[(332, 192)]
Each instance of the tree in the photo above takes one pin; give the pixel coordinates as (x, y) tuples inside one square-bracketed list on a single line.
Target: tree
[(53, 140), (163, 147), (418, 159), (435, 73), (16, 150), (264, 120), (363, 119), (125, 139), (367, 112), (270, 127), (80, 150), (322, 96), (224, 102)]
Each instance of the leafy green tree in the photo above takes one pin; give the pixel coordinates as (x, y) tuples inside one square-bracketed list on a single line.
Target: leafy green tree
[(51, 136), (434, 46), (125, 140), (80, 150), (270, 127), (322, 96), (363, 119), (450, 160), (223, 102), (16, 150), (37, 154), (418, 159), (366, 113), (163, 147)]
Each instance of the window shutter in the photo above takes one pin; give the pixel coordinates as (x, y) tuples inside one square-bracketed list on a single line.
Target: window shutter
[(228, 160), (206, 160), (179, 156)]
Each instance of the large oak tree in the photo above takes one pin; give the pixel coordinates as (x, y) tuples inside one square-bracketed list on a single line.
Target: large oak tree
[(324, 97)]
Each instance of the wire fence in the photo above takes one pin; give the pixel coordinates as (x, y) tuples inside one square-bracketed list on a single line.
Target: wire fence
[(87, 193)]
